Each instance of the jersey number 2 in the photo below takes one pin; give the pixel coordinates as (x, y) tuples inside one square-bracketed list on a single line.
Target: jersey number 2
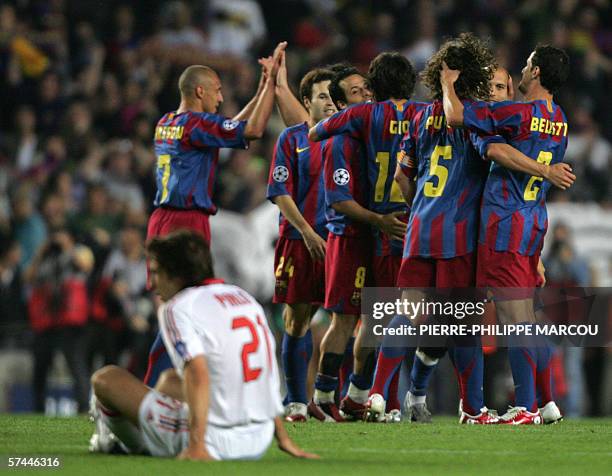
[(531, 190), (251, 347)]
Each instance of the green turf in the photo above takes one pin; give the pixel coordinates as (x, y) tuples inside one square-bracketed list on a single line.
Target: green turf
[(444, 447)]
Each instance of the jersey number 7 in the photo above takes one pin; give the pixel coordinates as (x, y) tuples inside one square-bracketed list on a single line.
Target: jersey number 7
[(249, 373), (163, 162)]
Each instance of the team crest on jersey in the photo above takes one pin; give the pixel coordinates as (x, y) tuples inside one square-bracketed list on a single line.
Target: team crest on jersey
[(342, 176), (280, 173), (356, 298), (230, 125)]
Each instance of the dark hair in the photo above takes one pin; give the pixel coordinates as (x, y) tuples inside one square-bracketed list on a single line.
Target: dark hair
[(473, 57), (554, 66), (341, 71), (184, 254), (314, 76), (391, 75)]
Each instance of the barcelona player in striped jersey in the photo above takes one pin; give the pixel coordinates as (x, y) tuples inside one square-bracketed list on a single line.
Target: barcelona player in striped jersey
[(513, 215), (296, 186), (442, 233), (379, 126), (348, 242), (187, 143)]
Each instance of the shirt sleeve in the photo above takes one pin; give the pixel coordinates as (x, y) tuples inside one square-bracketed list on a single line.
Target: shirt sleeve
[(338, 172), (211, 130), (501, 118), (482, 141), (179, 335), (282, 169), (353, 121), (406, 159)]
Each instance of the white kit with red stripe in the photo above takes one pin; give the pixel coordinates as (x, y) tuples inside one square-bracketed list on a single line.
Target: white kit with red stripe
[(228, 326)]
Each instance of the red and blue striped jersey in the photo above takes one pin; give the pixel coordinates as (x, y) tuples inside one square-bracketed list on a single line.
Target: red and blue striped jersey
[(450, 179), (380, 127), (513, 216), (187, 150), (297, 170), (346, 178)]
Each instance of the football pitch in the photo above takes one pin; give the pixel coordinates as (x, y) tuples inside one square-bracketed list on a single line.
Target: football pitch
[(444, 447)]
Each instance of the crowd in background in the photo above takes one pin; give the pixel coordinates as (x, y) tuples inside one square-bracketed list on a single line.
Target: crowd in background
[(82, 85)]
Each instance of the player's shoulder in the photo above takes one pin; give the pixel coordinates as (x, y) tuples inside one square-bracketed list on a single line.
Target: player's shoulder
[(291, 132), (341, 144), (209, 119)]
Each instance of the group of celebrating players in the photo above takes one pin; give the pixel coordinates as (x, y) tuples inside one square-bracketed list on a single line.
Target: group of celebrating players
[(374, 189), (471, 222)]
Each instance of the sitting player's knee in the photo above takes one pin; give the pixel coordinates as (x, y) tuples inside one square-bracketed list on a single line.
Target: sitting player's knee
[(101, 378)]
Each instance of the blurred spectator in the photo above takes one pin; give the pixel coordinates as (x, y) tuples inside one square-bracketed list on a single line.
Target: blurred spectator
[(12, 305), (97, 223), (58, 309), (28, 226), (25, 143), (563, 266), (121, 307), (236, 27)]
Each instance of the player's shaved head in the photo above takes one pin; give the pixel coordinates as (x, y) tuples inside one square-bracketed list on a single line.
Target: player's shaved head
[(194, 76)]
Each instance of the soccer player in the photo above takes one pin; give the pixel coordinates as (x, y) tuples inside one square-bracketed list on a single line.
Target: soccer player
[(222, 399), (379, 127), (347, 257), (187, 143), (513, 216), (440, 247), (296, 186)]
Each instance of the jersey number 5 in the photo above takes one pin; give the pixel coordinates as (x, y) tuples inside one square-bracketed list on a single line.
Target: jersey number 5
[(531, 190), (249, 373), (438, 170)]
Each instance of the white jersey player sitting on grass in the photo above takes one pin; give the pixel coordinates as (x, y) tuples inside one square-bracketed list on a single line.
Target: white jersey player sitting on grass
[(222, 399)]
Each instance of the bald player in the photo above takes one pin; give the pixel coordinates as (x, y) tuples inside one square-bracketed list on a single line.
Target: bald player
[(187, 143)]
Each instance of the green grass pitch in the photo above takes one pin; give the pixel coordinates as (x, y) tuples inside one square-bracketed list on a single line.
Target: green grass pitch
[(444, 447)]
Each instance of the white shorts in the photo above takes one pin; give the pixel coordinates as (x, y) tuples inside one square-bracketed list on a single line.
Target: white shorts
[(164, 427)]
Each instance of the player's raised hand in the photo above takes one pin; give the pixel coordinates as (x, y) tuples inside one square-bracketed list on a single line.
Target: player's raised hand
[(279, 52), (560, 175), (267, 64), (315, 244), (447, 75), (392, 226), (281, 77)]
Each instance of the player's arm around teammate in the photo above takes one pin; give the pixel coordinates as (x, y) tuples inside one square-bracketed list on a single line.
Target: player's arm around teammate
[(560, 174)]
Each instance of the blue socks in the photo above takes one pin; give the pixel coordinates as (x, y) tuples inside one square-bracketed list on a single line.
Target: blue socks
[(523, 362), (296, 353)]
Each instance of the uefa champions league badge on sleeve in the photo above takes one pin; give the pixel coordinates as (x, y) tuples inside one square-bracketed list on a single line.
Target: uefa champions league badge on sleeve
[(341, 176), (280, 173), (230, 125)]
